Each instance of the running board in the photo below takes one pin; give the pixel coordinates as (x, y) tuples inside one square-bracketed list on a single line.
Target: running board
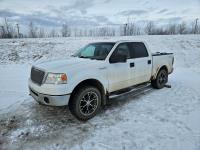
[(134, 89)]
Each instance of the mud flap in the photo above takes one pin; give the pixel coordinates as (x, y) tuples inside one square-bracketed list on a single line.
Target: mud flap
[(168, 86)]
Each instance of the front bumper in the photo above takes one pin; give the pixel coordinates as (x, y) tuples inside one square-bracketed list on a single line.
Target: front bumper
[(51, 100), (49, 94)]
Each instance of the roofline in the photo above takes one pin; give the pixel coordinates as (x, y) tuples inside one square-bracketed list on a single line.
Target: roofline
[(118, 41), (103, 42)]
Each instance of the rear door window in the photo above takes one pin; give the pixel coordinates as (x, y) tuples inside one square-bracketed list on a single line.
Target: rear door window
[(138, 50)]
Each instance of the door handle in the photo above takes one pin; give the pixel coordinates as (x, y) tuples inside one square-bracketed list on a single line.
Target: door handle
[(149, 62), (132, 64)]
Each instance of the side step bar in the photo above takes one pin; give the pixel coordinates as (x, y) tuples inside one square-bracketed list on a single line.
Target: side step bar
[(134, 89)]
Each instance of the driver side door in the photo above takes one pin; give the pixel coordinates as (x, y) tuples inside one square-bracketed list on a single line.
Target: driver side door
[(119, 73)]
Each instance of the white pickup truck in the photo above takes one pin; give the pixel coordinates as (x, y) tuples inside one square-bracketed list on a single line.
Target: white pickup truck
[(87, 79)]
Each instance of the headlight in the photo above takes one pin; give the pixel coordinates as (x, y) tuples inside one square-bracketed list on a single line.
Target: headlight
[(56, 78)]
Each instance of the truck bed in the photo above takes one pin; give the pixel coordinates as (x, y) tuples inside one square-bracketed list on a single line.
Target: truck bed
[(162, 59), (163, 53)]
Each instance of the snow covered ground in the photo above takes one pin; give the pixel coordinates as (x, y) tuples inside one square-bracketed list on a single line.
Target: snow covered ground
[(145, 119)]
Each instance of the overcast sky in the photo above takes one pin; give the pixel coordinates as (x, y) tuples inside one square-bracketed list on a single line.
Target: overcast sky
[(53, 13)]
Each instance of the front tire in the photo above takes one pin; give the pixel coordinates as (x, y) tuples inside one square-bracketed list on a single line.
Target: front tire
[(161, 79), (85, 103)]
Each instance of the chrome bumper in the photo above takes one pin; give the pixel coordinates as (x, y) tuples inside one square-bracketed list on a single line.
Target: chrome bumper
[(51, 100)]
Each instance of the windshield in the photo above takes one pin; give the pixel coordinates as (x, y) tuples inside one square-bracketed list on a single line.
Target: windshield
[(98, 51)]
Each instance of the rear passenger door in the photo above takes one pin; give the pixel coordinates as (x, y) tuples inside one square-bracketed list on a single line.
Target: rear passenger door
[(141, 63)]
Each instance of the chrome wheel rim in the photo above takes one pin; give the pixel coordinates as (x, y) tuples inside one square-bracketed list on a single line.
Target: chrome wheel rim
[(88, 103), (162, 78)]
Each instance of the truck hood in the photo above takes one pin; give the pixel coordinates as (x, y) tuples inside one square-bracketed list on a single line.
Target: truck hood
[(63, 65)]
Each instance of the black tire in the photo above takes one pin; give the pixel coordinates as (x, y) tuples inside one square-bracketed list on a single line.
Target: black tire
[(85, 103), (161, 79)]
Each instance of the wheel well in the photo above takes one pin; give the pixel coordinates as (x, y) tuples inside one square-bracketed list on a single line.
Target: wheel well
[(90, 82), (164, 67), (158, 69)]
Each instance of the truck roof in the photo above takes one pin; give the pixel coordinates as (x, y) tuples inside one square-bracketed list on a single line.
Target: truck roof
[(129, 41), (119, 41)]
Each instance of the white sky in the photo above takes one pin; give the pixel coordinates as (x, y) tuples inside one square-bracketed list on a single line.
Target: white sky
[(96, 12)]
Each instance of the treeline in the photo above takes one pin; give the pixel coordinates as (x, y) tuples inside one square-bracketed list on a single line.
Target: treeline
[(9, 30)]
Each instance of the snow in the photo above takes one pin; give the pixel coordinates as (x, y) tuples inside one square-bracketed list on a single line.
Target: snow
[(13, 87), (147, 119), (158, 120)]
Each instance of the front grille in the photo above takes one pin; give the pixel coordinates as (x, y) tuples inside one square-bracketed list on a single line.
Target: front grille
[(37, 75)]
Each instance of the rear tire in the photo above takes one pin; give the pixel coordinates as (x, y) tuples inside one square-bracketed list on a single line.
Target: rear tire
[(161, 79), (85, 103)]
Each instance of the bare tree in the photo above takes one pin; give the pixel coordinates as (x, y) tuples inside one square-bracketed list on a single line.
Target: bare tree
[(194, 29), (92, 32), (80, 32), (133, 29), (196, 26), (102, 31), (75, 32), (121, 30), (160, 31), (172, 29), (32, 30), (53, 33), (113, 32), (2, 33), (66, 31), (41, 33), (6, 25), (85, 33), (150, 27), (198, 30), (182, 28), (125, 28), (8, 29), (18, 34), (129, 29)]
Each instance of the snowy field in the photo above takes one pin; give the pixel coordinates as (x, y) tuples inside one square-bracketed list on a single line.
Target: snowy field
[(147, 119)]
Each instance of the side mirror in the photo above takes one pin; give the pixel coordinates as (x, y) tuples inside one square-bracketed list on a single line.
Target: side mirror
[(119, 58)]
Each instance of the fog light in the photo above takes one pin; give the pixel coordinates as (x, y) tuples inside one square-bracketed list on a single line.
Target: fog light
[(46, 100)]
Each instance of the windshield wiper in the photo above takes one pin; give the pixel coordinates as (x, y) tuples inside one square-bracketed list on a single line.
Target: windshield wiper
[(84, 57), (98, 58), (93, 58)]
